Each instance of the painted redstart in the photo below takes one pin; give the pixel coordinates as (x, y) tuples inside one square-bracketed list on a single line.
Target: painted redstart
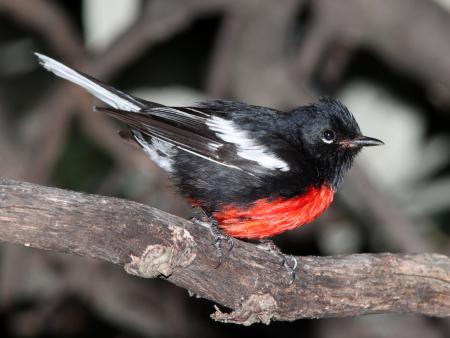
[(254, 171)]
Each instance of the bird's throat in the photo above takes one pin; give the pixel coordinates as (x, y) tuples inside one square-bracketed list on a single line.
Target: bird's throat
[(268, 217)]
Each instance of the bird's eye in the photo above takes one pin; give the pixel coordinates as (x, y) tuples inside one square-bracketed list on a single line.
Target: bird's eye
[(328, 136)]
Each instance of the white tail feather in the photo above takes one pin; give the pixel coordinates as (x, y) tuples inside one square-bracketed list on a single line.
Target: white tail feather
[(122, 101)]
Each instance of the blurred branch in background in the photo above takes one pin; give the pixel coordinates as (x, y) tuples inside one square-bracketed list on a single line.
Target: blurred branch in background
[(149, 243)]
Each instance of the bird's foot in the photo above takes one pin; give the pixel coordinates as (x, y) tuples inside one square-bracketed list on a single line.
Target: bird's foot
[(218, 237), (289, 262)]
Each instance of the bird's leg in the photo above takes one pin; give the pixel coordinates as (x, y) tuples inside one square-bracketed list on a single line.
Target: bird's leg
[(203, 220), (217, 235), (270, 246)]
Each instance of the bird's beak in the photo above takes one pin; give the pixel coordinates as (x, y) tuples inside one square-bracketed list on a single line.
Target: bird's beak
[(361, 141)]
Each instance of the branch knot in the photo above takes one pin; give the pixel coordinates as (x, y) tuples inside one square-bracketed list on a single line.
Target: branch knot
[(158, 259), (256, 309)]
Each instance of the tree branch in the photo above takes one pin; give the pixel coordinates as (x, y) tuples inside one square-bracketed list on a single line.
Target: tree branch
[(150, 243)]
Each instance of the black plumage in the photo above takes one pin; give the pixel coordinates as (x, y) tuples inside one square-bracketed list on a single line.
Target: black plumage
[(223, 152)]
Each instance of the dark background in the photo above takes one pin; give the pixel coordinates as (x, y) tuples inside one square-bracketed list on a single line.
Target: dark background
[(388, 61)]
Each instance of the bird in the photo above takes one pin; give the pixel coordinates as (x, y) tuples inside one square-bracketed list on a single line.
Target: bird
[(254, 171)]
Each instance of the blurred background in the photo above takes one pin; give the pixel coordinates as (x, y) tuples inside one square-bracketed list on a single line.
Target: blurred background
[(388, 61)]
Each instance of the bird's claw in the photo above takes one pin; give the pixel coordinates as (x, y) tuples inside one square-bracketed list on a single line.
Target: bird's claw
[(290, 269), (218, 237), (272, 248)]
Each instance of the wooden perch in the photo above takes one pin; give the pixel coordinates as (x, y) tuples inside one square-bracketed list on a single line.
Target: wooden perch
[(150, 243)]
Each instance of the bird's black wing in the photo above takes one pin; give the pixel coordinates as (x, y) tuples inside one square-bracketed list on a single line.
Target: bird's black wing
[(201, 132)]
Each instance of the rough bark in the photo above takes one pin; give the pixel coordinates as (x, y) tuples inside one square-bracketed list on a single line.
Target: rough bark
[(150, 243)]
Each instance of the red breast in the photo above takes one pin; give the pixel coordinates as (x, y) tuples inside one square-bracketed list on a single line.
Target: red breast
[(269, 217)]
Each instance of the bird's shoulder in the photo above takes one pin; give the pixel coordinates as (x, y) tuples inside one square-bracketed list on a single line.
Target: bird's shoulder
[(235, 110), (258, 121)]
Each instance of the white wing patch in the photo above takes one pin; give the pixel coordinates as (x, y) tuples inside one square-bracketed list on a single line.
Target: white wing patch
[(95, 89), (247, 148), (161, 152)]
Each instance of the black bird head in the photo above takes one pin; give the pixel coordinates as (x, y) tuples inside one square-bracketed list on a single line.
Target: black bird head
[(330, 137)]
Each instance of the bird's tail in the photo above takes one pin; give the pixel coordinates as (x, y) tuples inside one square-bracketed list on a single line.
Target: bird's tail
[(111, 96)]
